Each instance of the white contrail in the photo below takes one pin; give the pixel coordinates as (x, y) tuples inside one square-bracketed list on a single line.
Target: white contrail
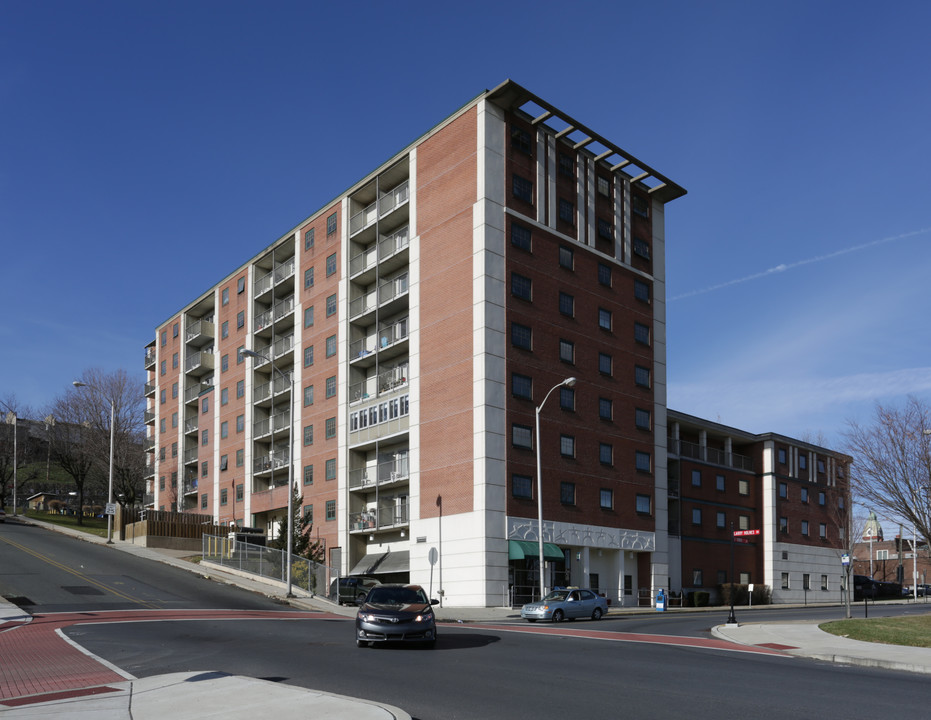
[(783, 267)]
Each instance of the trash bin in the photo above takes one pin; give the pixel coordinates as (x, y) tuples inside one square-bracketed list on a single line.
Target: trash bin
[(661, 601)]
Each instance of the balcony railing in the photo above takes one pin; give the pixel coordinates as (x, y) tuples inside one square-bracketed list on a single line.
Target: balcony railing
[(198, 360), (281, 272), (264, 391), (148, 417), (275, 460), (190, 425), (385, 204), (385, 472), (392, 516), (197, 328), (190, 455), (277, 422), (149, 389), (686, 449), (193, 391), (149, 357), (281, 308), (387, 247)]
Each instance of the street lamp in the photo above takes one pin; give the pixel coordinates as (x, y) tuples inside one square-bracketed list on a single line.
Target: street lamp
[(11, 420), (568, 382), (79, 384), (290, 380)]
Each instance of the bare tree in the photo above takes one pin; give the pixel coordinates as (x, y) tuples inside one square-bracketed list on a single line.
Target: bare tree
[(892, 464)]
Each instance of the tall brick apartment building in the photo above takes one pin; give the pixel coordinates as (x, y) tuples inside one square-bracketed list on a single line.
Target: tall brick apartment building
[(420, 318)]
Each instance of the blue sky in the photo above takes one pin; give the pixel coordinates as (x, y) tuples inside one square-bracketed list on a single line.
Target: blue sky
[(150, 148)]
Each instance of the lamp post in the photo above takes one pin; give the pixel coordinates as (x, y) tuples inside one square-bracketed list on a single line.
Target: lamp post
[(290, 380), (79, 384), (11, 420), (568, 382)]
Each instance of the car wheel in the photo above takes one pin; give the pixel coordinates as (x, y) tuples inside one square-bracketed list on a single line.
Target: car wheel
[(557, 616), (596, 614)]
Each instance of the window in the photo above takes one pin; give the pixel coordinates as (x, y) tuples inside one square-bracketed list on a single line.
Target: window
[(521, 436), (821, 467), (566, 304), (174, 361), (882, 554), (605, 230), (241, 285), (239, 492), (606, 499), (641, 248), (308, 474), (521, 386), (605, 408), (696, 478), (240, 423), (164, 367), (604, 274), (161, 425), (802, 461), (308, 278), (784, 525), (309, 513), (743, 522), (696, 516), (240, 457), (174, 420), (566, 165), (567, 446), (161, 397), (174, 390), (240, 388), (806, 581), (308, 395), (605, 364), (805, 527), (240, 319), (642, 333), (606, 454), (720, 519), (743, 487), (604, 186), (308, 435), (567, 493), (331, 509), (224, 363), (308, 355), (331, 225), (309, 316), (161, 453), (783, 490), (521, 486), (203, 501), (521, 336), (204, 469), (331, 264), (566, 257), (821, 498), (205, 437), (522, 189), (824, 582), (722, 577), (331, 386), (643, 419), (224, 429), (604, 319), (696, 578), (566, 211), (567, 398), (642, 461), (164, 337), (239, 355), (225, 329), (640, 206), (804, 495), (567, 351), (520, 236), (174, 449), (330, 469), (643, 504), (521, 286), (331, 346), (641, 291), (782, 456), (642, 376), (823, 531), (331, 305), (161, 483), (225, 296), (785, 581), (719, 483), (330, 428), (309, 239), (224, 462), (520, 140), (204, 404), (224, 396)]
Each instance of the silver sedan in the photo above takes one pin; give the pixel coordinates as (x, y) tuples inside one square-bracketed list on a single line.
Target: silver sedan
[(566, 604)]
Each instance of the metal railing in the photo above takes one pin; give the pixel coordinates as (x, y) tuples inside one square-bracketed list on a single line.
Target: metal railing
[(712, 455)]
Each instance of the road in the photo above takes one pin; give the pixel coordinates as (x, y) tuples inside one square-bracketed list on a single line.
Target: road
[(474, 672)]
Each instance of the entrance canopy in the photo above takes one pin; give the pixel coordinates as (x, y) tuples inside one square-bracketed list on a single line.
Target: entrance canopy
[(383, 563), (520, 549)]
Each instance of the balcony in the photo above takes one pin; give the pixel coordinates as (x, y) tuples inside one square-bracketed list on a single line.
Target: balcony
[(190, 425), (270, 279), (190, 455), (200, 332), (386, 381), (387, 341), (199, 362), (385, 474), (277, 386), (190, 485), (149, 390), (711, 455), (386, 252), (149, 358), (267, 463), (194, 391), (391, 517), (273, 499), (148, 417), (279, 421), (387, 203), (148, 445), (268, 318)]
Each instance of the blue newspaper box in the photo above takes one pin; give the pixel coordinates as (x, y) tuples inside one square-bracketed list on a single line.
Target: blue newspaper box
[(660, 601)]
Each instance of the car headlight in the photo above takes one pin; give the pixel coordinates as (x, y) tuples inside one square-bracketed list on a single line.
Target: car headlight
[(424, 617), (366, 617)]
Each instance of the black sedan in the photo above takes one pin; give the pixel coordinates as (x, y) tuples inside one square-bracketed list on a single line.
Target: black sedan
[(396, 613)]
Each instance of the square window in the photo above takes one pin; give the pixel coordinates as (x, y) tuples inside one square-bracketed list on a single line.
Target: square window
[(308, 278), (308, 474), (174, 360), (308, 435), (641, 248), (604, 274), (605, 364), (567, 398), (164, 367), (520, 236), (604, 186), (567, 446), (308, 355), (643, 505), (174, 420), (331, 386), (331, 225), (164, 337), (330, 469), (162, 397), (696, 516), (309, 513), (521, 436), (642, 461), (606, 453), (522, 386), (566, 257), (308, 395), (309, 316), (174, 449), (567, 493), (567, 351), (566, 211), (161, 453), (605, 408), (521, 286), (331, 265), (522, 486), (522, 189), (330, 428), (204, 404), (642, 333), (605, 229), (566, 304), (331, 305), (521, 336), (642, 376), (331, 346), (174, 390), (566, 165), (604, 319), (520, 140), (643, 419), (309, 239), (606, 499), (331, 510), (821, 498), (239, 356), (696, 478), (641, 291)]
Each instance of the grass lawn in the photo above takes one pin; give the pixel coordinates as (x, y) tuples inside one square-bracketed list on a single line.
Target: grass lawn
[(913, 630), (91, 525)]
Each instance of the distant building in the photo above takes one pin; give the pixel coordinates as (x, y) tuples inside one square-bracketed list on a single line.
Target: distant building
[(880, 559)]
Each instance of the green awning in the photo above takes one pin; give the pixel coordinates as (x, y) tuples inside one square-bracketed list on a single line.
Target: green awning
[(520, 549)]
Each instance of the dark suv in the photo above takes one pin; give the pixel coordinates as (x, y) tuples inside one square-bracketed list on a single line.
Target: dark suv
[(352, 590)]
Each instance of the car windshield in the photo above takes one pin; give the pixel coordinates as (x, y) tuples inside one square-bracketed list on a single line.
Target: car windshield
[(397, 596), (557, 595)]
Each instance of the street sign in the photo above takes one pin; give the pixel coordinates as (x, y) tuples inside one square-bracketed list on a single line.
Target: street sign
[(845, 559), (110, 509), (743, 533)]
